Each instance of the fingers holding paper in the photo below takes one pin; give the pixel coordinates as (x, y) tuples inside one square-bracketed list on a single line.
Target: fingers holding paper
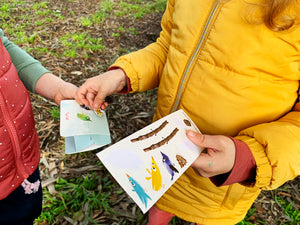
[(94, 90), (218, 157)]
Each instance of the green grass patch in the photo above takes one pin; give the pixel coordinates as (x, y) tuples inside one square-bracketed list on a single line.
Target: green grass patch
[(290, 210), (139, 8), (75, 197), (80, 43), (55, 113)]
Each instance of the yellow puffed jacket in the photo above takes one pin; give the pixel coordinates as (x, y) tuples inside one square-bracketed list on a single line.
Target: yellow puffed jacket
[(232, 77)]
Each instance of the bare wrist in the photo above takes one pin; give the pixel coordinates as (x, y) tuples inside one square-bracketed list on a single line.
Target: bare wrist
[(120, 76)]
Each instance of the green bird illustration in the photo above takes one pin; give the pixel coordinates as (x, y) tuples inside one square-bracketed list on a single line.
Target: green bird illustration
[(83, 117)]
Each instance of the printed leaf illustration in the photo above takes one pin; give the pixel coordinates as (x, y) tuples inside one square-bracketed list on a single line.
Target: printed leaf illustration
[(83, 117)]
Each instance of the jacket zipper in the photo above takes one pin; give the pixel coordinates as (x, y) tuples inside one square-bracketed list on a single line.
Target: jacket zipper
[(213, 14), (12, 133)]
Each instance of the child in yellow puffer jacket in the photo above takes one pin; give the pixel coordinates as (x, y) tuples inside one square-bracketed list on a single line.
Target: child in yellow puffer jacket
[(234, 67)]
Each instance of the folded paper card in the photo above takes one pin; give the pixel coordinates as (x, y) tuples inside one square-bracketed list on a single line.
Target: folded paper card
[(83, 129), (149, 161)]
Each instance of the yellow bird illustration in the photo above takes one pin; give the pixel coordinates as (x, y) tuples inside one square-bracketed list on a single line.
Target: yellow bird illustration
[(155, 175)]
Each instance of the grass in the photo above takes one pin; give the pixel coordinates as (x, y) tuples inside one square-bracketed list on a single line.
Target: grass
[(283, 203), (76, 198), (291, 213), (55, 113), (72, 44), (79, 43)]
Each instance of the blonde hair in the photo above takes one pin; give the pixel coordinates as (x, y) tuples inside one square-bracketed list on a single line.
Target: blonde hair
[(279, 15)]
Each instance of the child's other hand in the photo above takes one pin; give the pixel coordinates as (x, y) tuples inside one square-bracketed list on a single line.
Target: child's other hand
[(54, 88), (218, 157), (95, 89), (65, 90)]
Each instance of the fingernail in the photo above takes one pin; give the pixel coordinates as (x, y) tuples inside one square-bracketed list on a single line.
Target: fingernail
[(191, 133)]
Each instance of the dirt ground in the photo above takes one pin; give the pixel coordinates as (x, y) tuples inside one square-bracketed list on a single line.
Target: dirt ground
[(126, 114)]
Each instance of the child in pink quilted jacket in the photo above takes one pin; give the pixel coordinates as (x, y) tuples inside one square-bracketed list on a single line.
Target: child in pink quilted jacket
[(20, 185)]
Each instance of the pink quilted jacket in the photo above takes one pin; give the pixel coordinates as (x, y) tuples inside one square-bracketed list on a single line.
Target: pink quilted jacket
[(19, 143)]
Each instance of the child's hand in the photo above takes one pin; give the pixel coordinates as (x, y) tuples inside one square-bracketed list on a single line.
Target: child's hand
[(65, 91), (219, 156), (95, 89), (54, 88)]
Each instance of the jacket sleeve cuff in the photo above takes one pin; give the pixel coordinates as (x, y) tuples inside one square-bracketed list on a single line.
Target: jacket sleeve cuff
[(127, 88), (244, 169)]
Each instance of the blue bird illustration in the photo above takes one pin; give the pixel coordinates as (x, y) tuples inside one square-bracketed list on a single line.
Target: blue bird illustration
[(139, 190), (169, 165)]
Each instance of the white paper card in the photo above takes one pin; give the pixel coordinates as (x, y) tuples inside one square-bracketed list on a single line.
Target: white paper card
[(83, 129), (149, 161)]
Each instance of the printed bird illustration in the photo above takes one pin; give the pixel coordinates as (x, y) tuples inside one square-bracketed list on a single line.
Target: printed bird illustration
[(83, 117), (139, 190), (155, 175), (169, 165)]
